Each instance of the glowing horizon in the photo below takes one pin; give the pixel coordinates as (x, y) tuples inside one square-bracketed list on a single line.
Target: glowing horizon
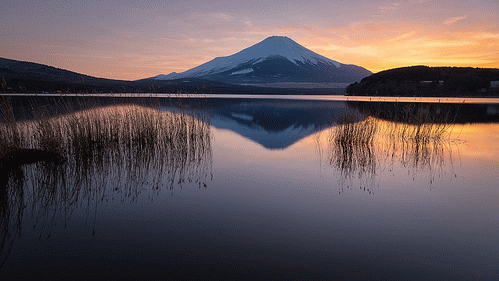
[(133, 40)]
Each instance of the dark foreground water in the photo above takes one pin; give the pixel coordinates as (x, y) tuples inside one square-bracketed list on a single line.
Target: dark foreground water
[(253, 189)]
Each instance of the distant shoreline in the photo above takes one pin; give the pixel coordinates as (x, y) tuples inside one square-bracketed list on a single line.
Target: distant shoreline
[(424, 81), (452, 100)]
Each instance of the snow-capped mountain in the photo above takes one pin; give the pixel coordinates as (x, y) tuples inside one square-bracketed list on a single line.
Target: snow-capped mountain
[(275, 59)]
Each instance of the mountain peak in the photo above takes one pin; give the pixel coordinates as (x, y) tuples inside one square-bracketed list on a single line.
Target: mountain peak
[(277, 38), (284, 47)]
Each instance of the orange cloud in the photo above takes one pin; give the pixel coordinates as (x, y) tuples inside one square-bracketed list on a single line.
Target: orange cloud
[(453, 20), (383, 45)]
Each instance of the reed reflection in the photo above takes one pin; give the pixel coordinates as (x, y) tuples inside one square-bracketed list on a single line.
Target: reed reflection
[(49, 167), (419, 141), (351, 149)]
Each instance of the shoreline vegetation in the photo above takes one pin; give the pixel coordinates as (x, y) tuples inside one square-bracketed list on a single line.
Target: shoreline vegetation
[(424, 81), (366, 143), (150, 86), (56, 157), (76, 135), (414, 81)]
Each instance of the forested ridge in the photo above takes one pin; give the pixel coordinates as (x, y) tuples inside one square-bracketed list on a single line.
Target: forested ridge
[(429, 81)]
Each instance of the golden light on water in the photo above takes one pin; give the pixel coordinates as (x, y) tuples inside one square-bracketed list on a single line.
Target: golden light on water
[(480, 141), (429, 148)]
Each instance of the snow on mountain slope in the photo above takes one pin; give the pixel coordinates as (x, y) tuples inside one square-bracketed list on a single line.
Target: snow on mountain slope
[(278, 54), (272, 46)]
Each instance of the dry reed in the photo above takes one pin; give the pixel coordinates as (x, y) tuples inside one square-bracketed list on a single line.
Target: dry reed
[(358, 147), (104, 153)]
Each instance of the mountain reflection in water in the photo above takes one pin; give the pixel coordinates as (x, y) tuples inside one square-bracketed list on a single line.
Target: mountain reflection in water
[(92, 188), (365, 138), (104, 153), (274, 124)]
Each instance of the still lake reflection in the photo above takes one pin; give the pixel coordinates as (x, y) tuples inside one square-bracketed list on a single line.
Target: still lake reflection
[(249, 189)]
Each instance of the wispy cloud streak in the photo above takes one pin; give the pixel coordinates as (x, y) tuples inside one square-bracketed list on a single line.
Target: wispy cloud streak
[(451, 21)]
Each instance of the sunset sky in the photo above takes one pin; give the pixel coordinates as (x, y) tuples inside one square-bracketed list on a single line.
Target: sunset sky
[(139, 39)]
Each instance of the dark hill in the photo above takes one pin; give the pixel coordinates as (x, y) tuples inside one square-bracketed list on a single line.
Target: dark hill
[(12, 69), (429, 81), (21, 76), (29, 77)]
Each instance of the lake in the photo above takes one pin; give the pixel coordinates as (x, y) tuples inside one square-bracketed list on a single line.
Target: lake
[(252, 188)]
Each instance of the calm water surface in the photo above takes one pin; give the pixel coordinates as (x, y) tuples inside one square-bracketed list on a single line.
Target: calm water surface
[(258, 189)]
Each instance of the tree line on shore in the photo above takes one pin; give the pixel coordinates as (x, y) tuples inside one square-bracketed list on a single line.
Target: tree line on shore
[(429, 81)]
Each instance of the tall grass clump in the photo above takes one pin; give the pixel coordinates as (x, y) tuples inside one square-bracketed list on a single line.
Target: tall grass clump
[(91, 133), (10, 141), (421, 126), (10, 132), (11, 181), (418, 141), (421, 142), (351, 147), (136, 138), (111, 152), (353, 130)]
